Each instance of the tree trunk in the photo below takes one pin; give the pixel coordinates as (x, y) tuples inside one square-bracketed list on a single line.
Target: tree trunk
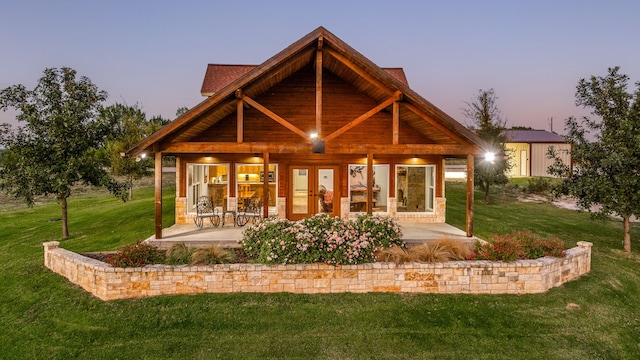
[(486, 193), (130, 188), (65, 228), (627, 235)]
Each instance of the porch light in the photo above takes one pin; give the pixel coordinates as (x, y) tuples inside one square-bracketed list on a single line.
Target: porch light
[(490, 157), (313, 135), (143, 155)]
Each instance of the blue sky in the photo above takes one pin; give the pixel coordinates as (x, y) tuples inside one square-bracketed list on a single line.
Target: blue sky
[(154, 53)]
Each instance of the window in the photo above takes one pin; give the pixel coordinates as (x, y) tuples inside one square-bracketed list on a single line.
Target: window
[(416, 188), (207, 180), (358, 187), (249, 180)]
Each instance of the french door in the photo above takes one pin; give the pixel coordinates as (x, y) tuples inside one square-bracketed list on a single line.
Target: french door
[(313, 189)]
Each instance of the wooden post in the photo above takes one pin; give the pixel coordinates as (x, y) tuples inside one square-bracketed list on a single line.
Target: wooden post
[(240, 116), (396, 122), (265, 185), (158, 194), (470, 171), (369, 183), (319, 88)]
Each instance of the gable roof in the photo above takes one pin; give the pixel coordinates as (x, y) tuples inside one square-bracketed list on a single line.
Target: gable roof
[(217, 76), (533, 136), (338, 58)]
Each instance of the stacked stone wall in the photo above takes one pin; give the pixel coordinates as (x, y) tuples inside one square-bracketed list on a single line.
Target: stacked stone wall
[(469, 277)]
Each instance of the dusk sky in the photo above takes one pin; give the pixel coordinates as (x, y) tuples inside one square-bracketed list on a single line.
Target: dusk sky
[(155, 53)]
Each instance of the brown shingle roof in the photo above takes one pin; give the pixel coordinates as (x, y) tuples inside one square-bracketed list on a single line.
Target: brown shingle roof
[(218, 76)]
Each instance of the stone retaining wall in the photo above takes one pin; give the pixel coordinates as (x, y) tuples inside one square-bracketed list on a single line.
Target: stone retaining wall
[(469, 277)]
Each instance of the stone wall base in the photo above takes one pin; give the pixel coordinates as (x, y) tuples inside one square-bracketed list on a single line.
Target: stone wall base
[(469, 277)]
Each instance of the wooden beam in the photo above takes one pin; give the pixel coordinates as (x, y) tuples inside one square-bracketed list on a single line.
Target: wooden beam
[(364, 117), (240, 117), (305, 148), (158, 194), (370, 183), (319, 89), (358, 70), (470, 171), (265, 185), (396, 122), (436, 124), (275, 117)]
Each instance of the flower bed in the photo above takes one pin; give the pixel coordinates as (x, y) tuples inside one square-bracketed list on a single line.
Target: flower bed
[(320, 239), (471, 277)]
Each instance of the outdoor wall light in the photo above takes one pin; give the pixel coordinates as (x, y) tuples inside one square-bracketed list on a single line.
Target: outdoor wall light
[(490, 157), (141, 157), (317, 146)]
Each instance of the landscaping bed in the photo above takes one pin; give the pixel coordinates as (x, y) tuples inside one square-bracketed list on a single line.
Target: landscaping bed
[(471, 277)]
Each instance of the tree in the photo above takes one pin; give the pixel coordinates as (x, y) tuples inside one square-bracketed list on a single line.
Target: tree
[(488, 124), (606, 171), (56, 147), (129, 125), (181, 110)]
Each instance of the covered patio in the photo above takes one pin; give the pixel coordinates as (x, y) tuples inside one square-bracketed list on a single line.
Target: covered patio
[(317, 128), (229, 236)]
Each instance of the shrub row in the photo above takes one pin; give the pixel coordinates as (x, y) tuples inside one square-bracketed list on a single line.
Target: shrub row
[(434, 251), (320, 238), (519, 245), (142, 254)]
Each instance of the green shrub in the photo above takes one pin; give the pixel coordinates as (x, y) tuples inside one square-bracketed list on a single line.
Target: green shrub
[(518, 245), (212, 255), (539, 185), (320, 238), (136, 255), (179, 254)]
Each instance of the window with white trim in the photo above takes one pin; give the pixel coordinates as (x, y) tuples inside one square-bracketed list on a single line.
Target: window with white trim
[(415, 186)]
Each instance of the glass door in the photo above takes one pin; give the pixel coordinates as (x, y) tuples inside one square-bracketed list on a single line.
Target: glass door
[(312, 191), (300, 193)]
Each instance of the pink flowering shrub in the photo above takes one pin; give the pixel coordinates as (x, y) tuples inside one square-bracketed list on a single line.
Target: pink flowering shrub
[(320, 239)]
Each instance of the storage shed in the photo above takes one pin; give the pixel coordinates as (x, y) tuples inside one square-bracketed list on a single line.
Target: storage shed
[(527, 150)]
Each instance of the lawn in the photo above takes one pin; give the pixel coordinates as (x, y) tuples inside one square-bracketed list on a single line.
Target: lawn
[(44, 316)]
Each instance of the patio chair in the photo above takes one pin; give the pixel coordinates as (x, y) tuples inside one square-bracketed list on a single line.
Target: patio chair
[(251, 211), (206, 210)]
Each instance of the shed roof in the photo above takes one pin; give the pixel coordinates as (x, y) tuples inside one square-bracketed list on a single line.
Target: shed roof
[(533, 136)]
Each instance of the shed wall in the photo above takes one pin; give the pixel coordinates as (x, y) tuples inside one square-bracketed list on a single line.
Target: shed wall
[(539, 161)]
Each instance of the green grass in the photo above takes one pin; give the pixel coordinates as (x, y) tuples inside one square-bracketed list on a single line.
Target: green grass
[(44, 316)]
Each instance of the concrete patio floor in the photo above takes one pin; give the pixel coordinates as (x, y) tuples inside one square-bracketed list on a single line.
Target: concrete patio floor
[(229, 235)]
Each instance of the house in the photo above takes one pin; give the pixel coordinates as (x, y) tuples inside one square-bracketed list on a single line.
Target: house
[(527, 150), (316, 128)]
